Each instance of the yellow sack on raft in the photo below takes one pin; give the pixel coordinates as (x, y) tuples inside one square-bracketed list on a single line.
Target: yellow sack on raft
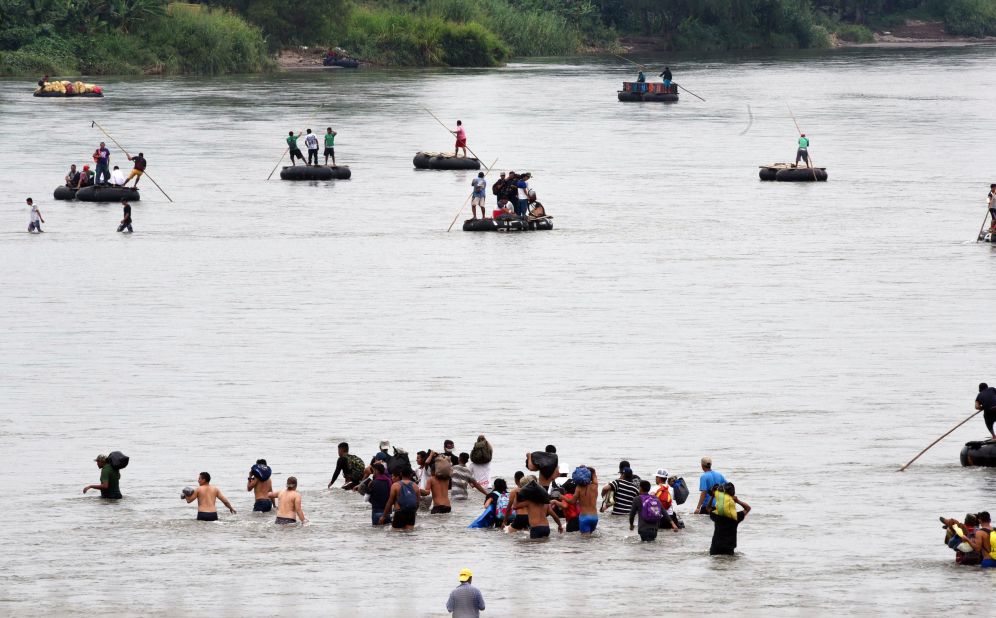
[(78, 87), (725, 506)]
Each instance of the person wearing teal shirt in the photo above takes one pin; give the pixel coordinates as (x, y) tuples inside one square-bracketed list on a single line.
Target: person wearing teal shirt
[(330, 145), (803, 152)]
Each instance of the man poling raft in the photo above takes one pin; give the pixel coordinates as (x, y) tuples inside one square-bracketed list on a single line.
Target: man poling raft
[(987, 236), (103, 186), (445, 161)]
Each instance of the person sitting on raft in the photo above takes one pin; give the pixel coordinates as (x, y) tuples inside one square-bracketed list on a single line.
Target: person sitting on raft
[(73, 177), (43, 82), (503, 209), (86, 178), (536, 210)]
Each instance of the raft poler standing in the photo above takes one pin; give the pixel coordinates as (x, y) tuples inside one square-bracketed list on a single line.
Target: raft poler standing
[(477, 198), (803, 151), (666, 76), (138, 170), (641, 78), (986, 401), (311, 142), (461, 139), (330, 145), (292, 147)]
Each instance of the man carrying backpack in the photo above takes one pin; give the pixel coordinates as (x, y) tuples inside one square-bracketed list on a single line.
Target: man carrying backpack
[(350, 466), (650, 512), (404, 499)]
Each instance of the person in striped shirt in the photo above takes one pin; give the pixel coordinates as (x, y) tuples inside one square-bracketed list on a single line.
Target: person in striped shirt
[(625, 490)]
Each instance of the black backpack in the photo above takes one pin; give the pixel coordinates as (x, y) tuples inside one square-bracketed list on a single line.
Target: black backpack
[(680, 490), (118, 460)]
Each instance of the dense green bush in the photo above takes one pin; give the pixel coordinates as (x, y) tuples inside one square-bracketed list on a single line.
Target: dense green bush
[(970, 17), (413, 40), (209, 41)]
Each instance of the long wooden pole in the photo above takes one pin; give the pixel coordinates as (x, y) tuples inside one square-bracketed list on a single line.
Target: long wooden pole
[(464, 205), (448, 129), (983, 226), (689, 91), (812, 165), (94, 123), (939, 439), (284, 153)]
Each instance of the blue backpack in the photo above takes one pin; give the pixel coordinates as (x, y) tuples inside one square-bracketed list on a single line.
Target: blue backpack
[(407, 499), (651, 509), (581, 476)]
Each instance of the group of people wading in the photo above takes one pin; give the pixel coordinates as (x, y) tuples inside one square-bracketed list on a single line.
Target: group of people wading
[(397, 489)]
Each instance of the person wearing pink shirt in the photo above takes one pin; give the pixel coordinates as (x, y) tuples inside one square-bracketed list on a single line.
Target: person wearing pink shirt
[(461, 139)]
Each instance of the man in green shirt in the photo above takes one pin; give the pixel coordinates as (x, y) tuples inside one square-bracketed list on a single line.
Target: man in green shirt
[(330, 146), (803, 152), (109, 480), (292, 147)]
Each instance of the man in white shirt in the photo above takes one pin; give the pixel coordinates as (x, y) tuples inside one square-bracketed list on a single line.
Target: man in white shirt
[(311, 141), (117, 177), (34, 223)]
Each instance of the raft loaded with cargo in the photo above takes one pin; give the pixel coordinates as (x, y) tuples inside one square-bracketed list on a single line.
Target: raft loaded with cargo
[(508, 223), (979, 453), (786, 172), (97, 193), (653, 92), (315, 172), (444, 161), (68, 89)]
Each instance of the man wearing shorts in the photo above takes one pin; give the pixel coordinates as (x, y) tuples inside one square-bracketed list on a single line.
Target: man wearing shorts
[(477, 199), (461, 139), (292, 147), (138, 170), (330, 145), (403, 516), (539, 525)]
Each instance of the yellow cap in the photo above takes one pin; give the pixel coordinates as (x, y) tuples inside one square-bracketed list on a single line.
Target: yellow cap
[(465, 575)]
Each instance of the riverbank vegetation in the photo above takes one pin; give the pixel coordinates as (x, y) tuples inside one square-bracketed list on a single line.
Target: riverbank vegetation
[(125, 37), (72, 37)]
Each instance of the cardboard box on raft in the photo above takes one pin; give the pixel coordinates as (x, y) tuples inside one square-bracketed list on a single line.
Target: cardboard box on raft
[(651, 87)]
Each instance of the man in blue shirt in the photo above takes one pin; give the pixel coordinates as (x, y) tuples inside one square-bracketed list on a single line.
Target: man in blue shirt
[(708, 479), (466, 600)]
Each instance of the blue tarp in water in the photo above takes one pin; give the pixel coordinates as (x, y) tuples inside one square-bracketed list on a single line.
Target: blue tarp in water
[(484, 520)]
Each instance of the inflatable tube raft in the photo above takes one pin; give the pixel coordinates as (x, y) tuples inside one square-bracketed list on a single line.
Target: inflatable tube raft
[(107, 193), (315, 172), (64, 193), (986, 236), (444, 161), (786, 172), (979, 454), (68, 94), (507, 225)]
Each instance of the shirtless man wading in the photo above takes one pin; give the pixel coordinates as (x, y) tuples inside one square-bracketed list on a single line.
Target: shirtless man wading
[(440, 489), (586, 497), (288, 503), (539, 525), (260, 485), (206, 495)]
